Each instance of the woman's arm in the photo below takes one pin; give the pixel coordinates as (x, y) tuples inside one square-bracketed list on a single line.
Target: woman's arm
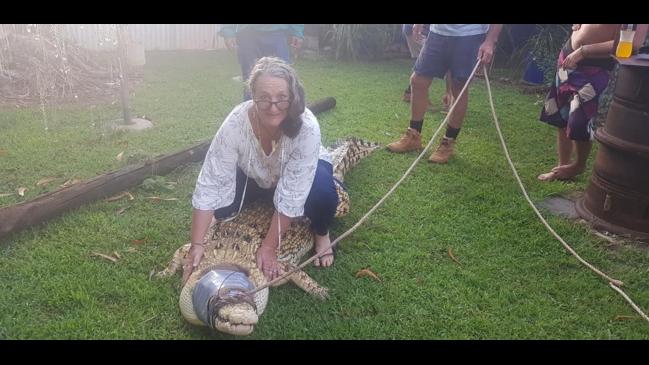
[(215, 187), (597, 50), (266, 254), (201, 220), (273, 234)]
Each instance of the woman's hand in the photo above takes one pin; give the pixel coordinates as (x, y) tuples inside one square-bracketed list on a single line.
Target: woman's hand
[(267, 261), (573, 59), (194, 257)]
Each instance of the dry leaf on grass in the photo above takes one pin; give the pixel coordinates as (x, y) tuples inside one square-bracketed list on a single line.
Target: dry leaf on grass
[(120, 156), (131, 249), (157, 198), (620, 317), (121, 211), (152, 317), (69, 182), (5, 194), (140, 241), (368, 272), (110, 258), (151, 274), (46, 180), (120, 196), (21, 191), (116, 254), (450, 254)]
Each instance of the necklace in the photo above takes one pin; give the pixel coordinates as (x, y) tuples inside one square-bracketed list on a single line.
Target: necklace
[(259, 132)]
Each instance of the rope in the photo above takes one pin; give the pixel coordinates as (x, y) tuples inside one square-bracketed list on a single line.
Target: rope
[(614, 283)]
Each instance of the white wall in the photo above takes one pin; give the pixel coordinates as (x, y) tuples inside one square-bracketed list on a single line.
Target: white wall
[(151, 36)]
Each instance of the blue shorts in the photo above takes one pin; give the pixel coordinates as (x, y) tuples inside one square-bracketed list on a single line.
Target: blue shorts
[(442, 53)]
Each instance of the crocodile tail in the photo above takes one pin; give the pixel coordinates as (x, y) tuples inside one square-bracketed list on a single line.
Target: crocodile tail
[(348, 153), (345, 156)]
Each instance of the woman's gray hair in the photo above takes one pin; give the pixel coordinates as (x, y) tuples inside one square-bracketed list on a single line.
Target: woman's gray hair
[(276, 67)]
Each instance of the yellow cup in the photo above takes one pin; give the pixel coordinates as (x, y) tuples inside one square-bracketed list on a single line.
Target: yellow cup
[(625, 46)]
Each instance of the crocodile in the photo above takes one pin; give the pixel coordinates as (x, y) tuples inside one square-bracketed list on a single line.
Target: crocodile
[(231, 246)]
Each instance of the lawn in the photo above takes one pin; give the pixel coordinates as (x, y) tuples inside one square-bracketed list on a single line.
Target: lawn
[(513, 280)]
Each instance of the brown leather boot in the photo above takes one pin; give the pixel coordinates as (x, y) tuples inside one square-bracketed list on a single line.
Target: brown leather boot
[(443, 152), (409, 142)]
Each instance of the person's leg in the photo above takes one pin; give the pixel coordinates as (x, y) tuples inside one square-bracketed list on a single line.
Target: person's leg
[(419, 88), (564, 151), (586, 85), (407, 94), (555, 111), (248, 52), (571, 170), (456, 119), (464, 54), (445, 149), (253, 191), (447, 100), (564, 147), (583, 111), (320, 208), (431, 63)]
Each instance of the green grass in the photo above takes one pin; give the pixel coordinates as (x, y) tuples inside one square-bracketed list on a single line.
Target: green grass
[(515, 281)]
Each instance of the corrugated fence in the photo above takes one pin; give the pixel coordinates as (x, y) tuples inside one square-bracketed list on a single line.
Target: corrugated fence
[(151, 36)]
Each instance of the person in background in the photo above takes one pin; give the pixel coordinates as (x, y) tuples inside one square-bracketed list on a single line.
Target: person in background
[(414, 46), (449, 47), (583, 69), (254, 41)]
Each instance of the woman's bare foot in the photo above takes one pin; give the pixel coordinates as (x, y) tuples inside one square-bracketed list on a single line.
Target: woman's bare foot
[(563, 172), (326, 259)]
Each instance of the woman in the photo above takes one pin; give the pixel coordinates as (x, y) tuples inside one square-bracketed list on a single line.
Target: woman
[(583, 69), (267, 145)]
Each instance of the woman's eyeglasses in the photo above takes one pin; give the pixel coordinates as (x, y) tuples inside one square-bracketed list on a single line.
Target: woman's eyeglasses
[(266, 104)]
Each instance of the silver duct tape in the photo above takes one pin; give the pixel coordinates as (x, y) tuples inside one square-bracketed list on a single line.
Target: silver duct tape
[(214, 282)]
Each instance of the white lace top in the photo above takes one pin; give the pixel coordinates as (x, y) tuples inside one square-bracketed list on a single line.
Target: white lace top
[(290, 166)]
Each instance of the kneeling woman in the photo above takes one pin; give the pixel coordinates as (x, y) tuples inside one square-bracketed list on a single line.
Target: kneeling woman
[(267, 145)]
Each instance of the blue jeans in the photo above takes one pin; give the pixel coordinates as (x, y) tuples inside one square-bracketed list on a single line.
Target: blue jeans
[(253, 45), (320, 206)]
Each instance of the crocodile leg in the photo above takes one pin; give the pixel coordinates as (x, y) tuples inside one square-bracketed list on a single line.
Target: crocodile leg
[(176, 262), (306, 283)]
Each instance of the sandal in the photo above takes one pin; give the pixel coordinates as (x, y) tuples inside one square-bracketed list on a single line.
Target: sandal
[(333, 249)]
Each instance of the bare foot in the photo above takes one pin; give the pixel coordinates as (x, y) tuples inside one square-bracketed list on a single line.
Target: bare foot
[(326, 258), (548, 176), (568, 172), (563, 172)]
